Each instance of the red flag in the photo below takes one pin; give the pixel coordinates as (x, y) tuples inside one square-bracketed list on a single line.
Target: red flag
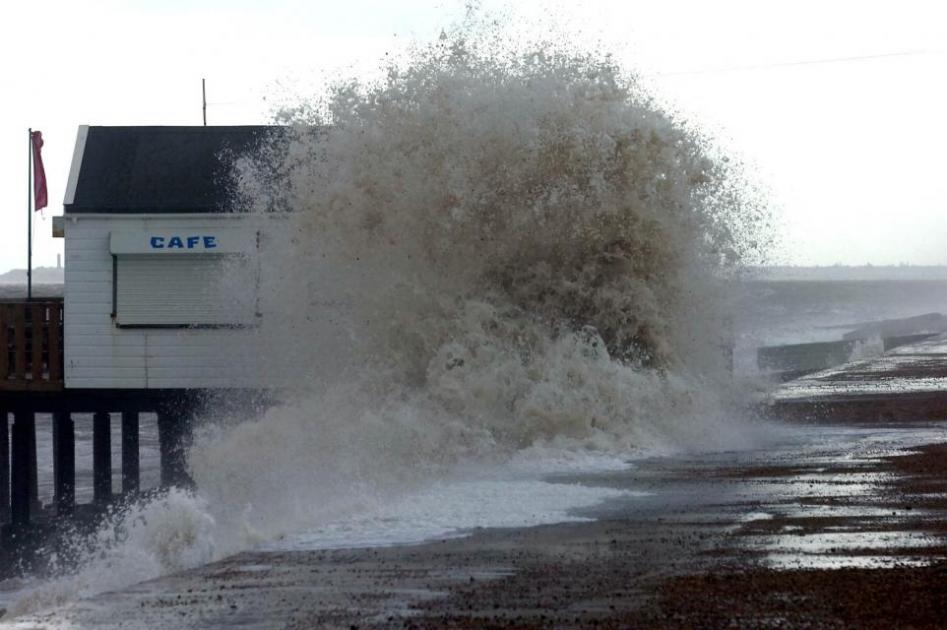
[(39, 173)]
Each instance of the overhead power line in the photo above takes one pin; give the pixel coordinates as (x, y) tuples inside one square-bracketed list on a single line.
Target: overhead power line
[(806, 62)]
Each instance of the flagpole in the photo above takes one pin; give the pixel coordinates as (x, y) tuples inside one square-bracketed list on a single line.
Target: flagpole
[(29, 219)]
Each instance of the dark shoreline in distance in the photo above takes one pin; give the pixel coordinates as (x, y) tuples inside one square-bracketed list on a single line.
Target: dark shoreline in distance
[(842, 273), (41, 275), (18, 291)]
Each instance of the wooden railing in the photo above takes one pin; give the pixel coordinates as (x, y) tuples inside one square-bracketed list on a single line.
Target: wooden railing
[(31, 343)]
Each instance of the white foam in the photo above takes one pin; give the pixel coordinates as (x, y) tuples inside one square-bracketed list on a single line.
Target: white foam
[(454, 509), (168, 534)]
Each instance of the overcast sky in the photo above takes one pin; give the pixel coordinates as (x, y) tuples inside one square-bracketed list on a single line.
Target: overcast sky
[(839, 107)]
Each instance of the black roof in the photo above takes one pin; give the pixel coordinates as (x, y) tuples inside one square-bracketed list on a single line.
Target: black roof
[(131, 170)]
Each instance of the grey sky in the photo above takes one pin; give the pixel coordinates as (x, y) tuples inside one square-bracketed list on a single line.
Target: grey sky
[(850, 152)]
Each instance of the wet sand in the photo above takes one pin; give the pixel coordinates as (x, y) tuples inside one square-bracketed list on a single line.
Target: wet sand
[(847, 528)]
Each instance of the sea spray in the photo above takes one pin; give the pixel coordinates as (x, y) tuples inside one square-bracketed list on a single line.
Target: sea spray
[(484, 252), (136, 542), (543, 184)]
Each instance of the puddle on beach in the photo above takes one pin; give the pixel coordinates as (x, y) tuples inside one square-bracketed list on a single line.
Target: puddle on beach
[(834, 515), (854, 490), (806, 389), (825, 538), (854, 513), (788, 561), (838, 542)]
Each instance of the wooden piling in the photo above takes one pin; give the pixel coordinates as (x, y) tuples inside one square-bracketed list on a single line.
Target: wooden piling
[(24, 424), (64, 469), (4, 461), (131, 480), (55, 435), (33, 467), (173, 438), (102, 458)]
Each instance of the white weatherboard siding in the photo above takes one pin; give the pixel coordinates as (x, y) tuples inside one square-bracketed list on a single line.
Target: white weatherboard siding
[(100, 354)]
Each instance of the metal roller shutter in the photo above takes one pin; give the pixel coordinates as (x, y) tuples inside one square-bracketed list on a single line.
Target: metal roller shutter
[(182, 290)]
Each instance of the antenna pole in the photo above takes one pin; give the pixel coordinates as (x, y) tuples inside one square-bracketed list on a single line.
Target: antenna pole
[(204, 99)]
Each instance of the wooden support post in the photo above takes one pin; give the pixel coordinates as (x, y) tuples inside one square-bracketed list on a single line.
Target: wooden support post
[(130, 455), (33, 468), (55, 430), (24, 424), (4, 459), (102, 458), (64, 469), (173, 438)]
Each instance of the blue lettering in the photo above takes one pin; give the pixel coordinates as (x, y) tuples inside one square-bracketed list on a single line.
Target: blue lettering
[(182, 242)]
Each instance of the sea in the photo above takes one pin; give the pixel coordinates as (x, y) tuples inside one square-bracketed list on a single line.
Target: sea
[(794, 310)]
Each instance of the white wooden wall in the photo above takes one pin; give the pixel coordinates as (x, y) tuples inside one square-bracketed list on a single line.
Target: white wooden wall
[(98, 354)]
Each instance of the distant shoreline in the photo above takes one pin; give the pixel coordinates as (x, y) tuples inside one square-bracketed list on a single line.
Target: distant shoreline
[(10, 291), (41, 275), (845, 273)]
